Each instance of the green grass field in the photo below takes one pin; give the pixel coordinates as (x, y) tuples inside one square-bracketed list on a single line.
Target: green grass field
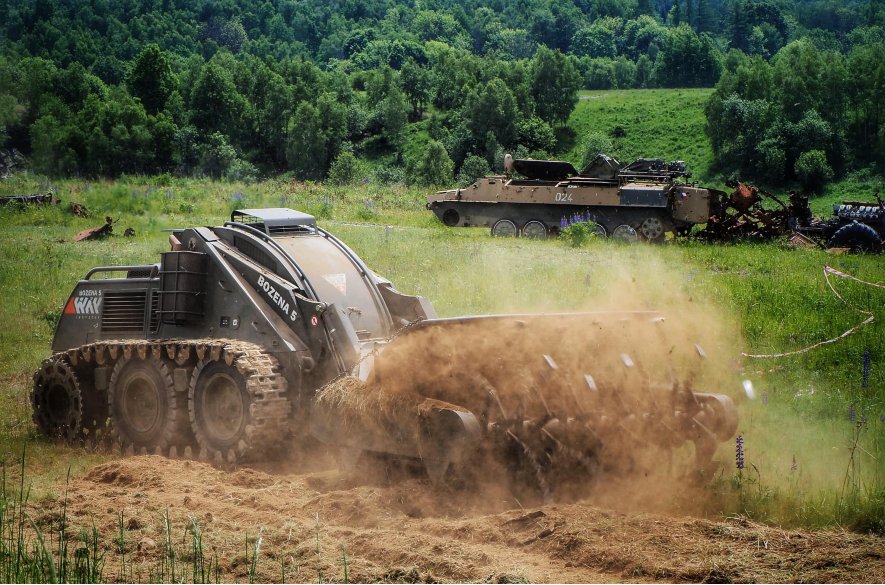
[(764, 298), (657, 123)]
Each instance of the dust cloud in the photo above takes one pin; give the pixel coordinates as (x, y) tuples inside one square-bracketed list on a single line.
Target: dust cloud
[(598, 403)]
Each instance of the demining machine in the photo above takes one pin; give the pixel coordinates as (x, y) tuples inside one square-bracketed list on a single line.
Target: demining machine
[(253, 339)]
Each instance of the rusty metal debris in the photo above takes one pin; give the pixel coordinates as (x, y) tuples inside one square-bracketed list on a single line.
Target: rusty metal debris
[(78, 209), (97, 233), (743, 215), (35, 199), (752, 213)]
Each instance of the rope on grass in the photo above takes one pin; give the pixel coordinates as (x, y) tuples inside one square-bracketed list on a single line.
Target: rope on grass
[(828, 270)]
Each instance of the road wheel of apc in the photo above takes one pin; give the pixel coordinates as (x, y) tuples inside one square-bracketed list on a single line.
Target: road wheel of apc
[(598, 230), (505, 228), (56, 401), (143, 406), (534, 229), (219, 408), (858, 237), (652, 229), (625, 233), (451, 217)]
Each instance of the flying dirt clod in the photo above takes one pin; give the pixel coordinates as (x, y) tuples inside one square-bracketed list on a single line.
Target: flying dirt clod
[(247, 337)]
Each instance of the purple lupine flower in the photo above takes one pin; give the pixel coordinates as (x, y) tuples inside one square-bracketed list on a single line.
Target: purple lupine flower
[(563, 223), (282, 201), (739, 452)]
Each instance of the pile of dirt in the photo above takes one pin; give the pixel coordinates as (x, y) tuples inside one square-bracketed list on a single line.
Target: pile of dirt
[(410, 531)]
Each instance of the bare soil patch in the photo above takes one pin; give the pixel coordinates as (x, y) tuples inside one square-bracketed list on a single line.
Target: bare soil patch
[(410, 531)]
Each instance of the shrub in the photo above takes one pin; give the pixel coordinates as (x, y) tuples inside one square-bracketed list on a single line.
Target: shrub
[(473, 168), (579, 233), (345, 169), (812, 170), (389, 174), (594, 144)]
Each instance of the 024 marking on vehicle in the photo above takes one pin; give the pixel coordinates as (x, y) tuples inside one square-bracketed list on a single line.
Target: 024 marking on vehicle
[(86, 303), (563, 197)]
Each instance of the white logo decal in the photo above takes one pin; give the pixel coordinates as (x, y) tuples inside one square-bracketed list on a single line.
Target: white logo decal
[(87, 303), (277, 298)]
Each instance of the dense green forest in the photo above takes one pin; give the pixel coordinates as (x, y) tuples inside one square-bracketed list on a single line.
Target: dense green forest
[(426, 91)]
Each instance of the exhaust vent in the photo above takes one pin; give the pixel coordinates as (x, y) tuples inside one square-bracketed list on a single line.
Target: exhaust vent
[(123, 312)]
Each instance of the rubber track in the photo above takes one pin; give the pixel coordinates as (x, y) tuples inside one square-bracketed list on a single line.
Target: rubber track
[(269, 412)]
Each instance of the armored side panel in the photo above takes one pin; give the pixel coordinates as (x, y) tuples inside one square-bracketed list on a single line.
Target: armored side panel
[(643, 199)]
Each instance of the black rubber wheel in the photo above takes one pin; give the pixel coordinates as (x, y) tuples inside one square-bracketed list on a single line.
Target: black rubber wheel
[(599, 231), (652, 229), (625, 233), (218, 405), (451, 217), (56, 401), (535, 229), (143, 406), (858, 237), (505, 228)]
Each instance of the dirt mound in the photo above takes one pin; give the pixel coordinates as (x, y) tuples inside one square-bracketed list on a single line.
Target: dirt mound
[(412, 532)]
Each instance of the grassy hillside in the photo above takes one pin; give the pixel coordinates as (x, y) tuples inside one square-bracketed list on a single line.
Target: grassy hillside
[(657, 123)]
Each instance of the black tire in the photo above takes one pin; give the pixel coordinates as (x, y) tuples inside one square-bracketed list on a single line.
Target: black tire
[(57, 401), (599, 231), (219, 410), (535, 229), (505, 228), (652, 229), (858, 237), (143, 406)]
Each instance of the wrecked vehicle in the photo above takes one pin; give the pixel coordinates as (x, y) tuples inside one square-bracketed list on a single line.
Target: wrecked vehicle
[(534, 198)]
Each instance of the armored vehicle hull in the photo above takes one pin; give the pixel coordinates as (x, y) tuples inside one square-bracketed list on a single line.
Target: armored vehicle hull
[(642, 200)]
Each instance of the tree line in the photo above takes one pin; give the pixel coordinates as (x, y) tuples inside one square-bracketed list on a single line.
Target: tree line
[(240, 89)]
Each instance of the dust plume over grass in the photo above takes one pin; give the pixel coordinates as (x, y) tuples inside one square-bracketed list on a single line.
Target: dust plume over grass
[(640, 364), (727, 299)]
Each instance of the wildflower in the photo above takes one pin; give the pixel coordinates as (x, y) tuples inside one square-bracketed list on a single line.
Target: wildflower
[(739, 452), (852, 413), (563, 223), (237, 196), (282, 201)]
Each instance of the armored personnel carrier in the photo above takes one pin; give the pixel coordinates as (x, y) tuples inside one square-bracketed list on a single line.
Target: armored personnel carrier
[(535, 198)]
